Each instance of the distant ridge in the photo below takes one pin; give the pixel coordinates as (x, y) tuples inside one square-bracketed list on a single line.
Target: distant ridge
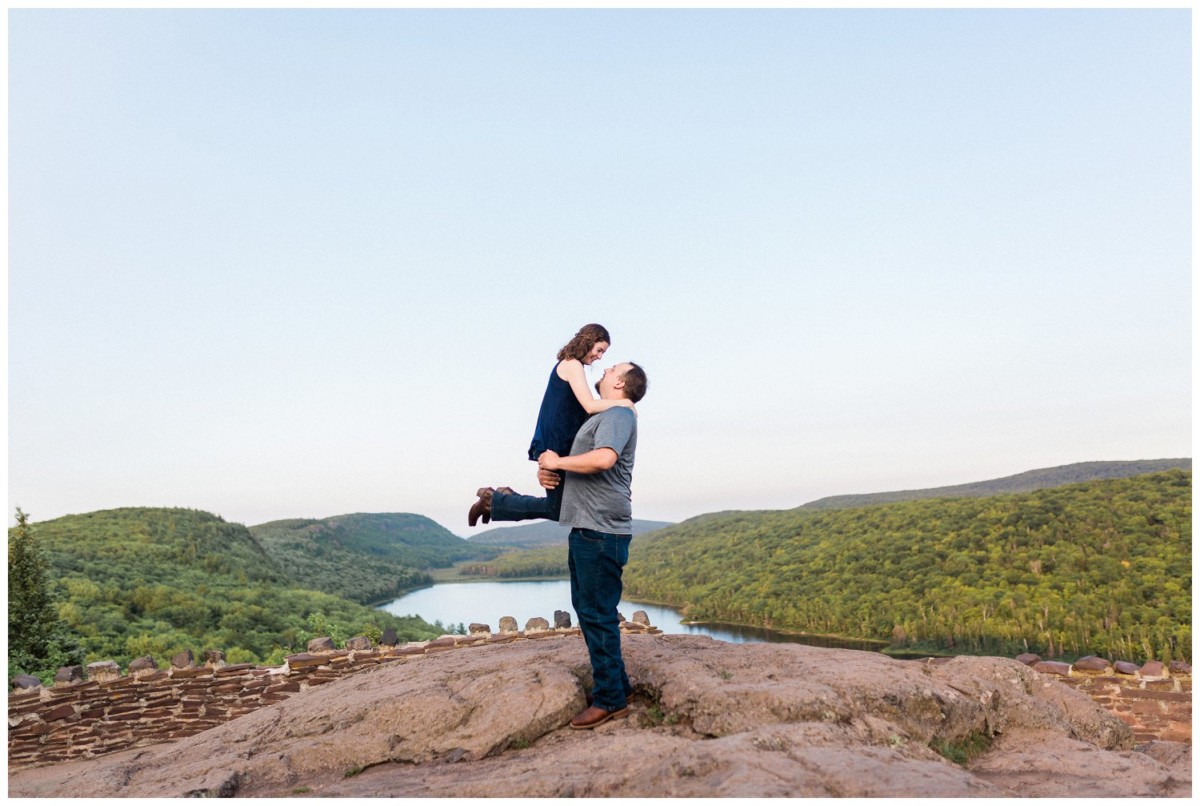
[(1020, 483), (403, 537), (544, 533), (364, 557)]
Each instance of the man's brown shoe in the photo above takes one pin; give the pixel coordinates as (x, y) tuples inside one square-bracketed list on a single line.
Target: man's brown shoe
[(594, 715)]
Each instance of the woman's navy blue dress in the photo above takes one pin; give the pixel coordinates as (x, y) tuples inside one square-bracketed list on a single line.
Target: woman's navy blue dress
[(559, 419)]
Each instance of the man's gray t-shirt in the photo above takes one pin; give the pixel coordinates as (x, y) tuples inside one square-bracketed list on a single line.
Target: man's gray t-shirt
[(601, 501)]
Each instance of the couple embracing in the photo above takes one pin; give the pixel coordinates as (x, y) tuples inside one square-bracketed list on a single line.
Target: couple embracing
[(585, 448)]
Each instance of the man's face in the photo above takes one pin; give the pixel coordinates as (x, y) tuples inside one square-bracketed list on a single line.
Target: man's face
[(612, 376)]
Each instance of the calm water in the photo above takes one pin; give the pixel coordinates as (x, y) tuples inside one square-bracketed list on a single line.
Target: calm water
[(453, 603)]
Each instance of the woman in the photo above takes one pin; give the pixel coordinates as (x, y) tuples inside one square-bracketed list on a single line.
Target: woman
[(567, 403)]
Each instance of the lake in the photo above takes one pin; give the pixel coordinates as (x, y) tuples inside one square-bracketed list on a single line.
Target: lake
[(454, 603)]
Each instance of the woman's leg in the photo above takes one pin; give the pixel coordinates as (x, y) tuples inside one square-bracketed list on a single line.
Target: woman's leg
[(515, 507)]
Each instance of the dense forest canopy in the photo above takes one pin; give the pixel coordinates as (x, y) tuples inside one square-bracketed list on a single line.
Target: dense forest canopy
[(158, 581), (1102, 567), (538, 563)]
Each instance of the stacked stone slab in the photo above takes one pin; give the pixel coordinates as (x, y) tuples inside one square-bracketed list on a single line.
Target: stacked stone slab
[(82, 717), (1154, 699)]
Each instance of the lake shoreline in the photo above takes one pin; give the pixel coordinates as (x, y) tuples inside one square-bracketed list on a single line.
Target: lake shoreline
[(884, 645), (772, 635)]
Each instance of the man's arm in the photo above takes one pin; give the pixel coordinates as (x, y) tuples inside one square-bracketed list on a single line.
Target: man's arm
[(591, 462)]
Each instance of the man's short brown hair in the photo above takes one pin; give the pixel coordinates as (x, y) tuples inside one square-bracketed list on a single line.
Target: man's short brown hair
[(635, 382)]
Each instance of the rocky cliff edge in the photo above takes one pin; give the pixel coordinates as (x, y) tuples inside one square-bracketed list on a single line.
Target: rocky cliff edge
[(710, 719)]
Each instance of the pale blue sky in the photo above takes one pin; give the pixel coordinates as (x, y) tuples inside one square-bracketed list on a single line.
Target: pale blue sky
[(280, 264)]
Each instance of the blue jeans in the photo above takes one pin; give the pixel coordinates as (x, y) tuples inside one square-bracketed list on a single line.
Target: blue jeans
[(527, 507), (595, 560)]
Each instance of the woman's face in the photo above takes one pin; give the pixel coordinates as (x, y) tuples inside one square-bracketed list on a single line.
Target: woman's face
[(596, 353)]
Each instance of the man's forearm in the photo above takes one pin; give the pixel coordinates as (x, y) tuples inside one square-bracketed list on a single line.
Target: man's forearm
[(590, 462)]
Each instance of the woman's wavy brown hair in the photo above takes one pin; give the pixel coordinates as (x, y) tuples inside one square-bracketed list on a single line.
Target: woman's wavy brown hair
[(583, 342)]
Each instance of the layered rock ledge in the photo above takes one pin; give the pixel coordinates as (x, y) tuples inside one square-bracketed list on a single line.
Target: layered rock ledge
[(711, 719)]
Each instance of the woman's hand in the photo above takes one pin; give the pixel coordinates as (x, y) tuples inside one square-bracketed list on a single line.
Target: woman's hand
[(548, 460), (548, 478)]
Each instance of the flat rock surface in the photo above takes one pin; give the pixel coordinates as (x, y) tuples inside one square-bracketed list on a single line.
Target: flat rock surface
[(710, 719)]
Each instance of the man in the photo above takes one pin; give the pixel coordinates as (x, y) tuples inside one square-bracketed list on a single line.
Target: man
[(596, 505)]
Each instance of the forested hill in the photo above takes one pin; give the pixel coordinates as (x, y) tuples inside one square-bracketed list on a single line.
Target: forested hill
[(364, 557), (1102, 567), (123, 542), (544, 533), (1020, 483), (154, 582)]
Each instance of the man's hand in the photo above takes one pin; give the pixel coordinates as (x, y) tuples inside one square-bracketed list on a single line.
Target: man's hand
[(548, 460), (548, 479)]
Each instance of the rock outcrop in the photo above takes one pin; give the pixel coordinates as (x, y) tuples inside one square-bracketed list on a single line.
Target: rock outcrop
[(710, 719)]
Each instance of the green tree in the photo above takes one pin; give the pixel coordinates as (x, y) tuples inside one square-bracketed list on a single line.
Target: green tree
[(38, 641)]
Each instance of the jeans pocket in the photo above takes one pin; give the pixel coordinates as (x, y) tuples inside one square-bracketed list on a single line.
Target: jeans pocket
[(589, 536)]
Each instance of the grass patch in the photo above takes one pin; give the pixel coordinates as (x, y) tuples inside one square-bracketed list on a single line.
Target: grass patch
[(961, 752), (653, 716)]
